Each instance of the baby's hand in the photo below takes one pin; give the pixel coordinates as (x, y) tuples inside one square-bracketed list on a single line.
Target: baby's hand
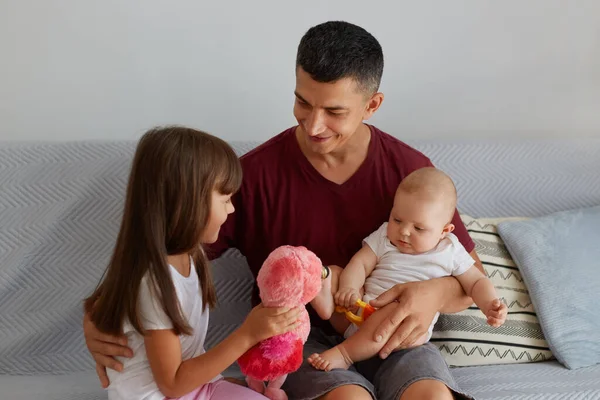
[(346, 297), (497, 313)]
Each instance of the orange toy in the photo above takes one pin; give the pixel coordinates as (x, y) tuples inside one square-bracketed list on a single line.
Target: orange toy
[(367, 310)]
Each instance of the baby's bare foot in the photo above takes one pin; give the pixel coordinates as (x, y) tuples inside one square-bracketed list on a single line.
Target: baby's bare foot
[(330, 359)]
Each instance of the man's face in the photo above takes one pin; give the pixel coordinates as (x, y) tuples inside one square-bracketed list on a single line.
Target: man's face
[(330, 113)]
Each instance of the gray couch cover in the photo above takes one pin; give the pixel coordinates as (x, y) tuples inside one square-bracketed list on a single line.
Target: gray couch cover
[(60, 205)]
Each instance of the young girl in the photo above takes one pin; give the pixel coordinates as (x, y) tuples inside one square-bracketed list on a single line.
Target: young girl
[(157, 287)]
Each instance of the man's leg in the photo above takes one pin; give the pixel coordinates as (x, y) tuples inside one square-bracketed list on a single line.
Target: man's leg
[(346, 392), (308, 383), (416, 373), (427, 389)]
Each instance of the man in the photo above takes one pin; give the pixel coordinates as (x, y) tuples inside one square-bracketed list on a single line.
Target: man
[(327, 184)]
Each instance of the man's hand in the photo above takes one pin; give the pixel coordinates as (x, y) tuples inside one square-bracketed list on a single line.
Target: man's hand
[(418, 302), (103, 348)]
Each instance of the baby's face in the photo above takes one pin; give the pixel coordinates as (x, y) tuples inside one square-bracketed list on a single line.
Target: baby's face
[(417, 225)]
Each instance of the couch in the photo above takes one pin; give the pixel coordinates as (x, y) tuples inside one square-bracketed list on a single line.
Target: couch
[(60, 204)]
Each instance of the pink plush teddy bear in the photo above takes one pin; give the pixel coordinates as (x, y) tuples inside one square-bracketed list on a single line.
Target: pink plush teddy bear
[(289, 277)]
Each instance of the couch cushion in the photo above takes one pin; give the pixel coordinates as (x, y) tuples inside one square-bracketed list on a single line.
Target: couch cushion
[(75, 386), (559, 258), (466, 339), (534, 381)]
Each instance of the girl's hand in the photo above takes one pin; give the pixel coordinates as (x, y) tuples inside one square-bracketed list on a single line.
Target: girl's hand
[(346, 297), (265, 322)]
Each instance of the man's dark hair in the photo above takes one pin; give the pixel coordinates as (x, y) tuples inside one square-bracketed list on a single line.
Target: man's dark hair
[(336, 49)]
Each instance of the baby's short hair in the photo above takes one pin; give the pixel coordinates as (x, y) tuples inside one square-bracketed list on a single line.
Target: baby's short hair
[(433, 184)]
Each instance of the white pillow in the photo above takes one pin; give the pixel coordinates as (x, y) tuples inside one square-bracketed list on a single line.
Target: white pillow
[(465, 339)]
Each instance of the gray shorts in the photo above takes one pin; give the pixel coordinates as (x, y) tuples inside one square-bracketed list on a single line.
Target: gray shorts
[(384, 379)]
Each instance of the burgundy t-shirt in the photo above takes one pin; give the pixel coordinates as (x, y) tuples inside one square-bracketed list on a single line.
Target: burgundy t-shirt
[(285, 201)]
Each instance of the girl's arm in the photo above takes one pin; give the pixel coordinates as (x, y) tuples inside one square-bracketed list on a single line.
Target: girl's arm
[(175, 377), (354, 275)]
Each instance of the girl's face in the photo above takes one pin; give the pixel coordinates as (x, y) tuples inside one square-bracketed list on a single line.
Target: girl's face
[(220, 208)]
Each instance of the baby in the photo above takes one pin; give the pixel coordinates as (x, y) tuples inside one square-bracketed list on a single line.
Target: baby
[(415, 244)]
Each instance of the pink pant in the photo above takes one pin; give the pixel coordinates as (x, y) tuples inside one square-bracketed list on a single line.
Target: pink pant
[(222, 390)]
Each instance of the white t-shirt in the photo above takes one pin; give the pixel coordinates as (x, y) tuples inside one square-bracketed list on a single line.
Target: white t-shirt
[(135, 382), (448, 258)]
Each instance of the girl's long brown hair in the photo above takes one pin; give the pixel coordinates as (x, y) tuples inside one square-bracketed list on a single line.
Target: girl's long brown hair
[(167, 208)]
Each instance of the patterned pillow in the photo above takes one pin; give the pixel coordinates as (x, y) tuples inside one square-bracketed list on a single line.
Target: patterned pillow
[(466, 339)]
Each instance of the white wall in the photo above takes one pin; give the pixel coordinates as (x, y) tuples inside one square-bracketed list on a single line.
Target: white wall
[(84, 69)]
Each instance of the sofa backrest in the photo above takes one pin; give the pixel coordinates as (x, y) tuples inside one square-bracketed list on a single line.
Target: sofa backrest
[(60, 208)]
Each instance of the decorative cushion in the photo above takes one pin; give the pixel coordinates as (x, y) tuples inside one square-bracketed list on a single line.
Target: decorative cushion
[(559, 258), (465, 338)]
